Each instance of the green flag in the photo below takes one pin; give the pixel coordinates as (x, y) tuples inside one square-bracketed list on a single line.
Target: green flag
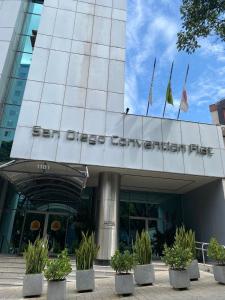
[(169, 96)]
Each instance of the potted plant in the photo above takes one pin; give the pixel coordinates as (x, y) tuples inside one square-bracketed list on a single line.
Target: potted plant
[(122, 263), (178, 258), (85, 256), (35, 256), (217, 253), (56, 272), (187, 240), (143, 270)]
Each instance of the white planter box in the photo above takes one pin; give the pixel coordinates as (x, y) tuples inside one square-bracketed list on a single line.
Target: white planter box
[(32, 285), (193, 270), (124, 284), (179, 279), (144, 274), (56, 290), (219, 273), (85, 280)]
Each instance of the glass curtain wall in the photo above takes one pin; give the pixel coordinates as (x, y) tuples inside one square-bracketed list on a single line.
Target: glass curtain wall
[(157, 213), (17, 81)]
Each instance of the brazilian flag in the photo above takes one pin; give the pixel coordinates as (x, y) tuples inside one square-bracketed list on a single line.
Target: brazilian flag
[(169, 96)]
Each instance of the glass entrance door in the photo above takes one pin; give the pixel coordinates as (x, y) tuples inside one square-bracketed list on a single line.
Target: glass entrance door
[(137, 224), (56, 232), (33, 226), (52, 226)]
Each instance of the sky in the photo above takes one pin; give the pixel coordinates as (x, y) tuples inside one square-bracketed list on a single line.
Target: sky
[(152, 28)]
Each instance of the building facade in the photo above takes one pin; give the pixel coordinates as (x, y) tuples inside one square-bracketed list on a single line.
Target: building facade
[(72, 160)]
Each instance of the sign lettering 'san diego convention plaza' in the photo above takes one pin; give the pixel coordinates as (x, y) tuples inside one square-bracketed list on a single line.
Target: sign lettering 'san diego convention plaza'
[(115, 140)]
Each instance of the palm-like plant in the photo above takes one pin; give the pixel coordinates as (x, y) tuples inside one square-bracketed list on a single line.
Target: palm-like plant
[(142, 248)]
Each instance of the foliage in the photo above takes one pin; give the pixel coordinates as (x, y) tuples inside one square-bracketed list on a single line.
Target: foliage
[(186, 239), (36, 256), (122, 262), (86, 253), (177, 257), (216, 252), (58, 268), (200, 19), (142, 248)]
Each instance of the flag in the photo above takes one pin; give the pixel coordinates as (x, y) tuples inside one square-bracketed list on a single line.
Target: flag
[(151, 88), (169, 96), (184, 101)]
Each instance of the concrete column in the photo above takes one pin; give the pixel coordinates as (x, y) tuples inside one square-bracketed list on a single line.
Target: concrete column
[(108, 203)]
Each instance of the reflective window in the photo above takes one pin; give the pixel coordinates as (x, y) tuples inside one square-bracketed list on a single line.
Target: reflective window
[(17, 82)]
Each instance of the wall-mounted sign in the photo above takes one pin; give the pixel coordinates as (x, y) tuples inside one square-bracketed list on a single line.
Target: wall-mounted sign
[(35, 225), (55, 225), (115, 140)]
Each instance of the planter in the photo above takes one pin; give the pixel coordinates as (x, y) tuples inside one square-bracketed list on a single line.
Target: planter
[(124, 284), (85, 280), (56, 290), (32, 285), (144, 274), (219, 273), (193, 270), (179, 279)]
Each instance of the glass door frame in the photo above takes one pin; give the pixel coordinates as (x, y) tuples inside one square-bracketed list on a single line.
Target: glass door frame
[(45, 229), (146, 219)]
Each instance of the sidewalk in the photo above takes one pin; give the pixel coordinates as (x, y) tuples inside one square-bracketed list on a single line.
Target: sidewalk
[(205, 288)]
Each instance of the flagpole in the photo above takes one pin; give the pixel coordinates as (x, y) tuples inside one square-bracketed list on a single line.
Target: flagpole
[(171, 71), (151, 87), (185, 81)]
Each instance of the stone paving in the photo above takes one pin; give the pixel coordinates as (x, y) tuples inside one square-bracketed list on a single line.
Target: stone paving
[(205, 288)]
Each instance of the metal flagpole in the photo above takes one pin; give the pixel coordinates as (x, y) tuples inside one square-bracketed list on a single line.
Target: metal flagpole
[(171, 71), (185, 81), (151, 88)]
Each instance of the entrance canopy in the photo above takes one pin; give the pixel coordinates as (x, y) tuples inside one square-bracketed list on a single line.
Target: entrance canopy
[(45, 180)]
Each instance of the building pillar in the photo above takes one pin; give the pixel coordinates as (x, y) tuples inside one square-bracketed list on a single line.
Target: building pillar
[(108, 204)]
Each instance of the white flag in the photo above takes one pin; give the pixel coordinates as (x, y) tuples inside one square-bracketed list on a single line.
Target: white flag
[(184, 101)]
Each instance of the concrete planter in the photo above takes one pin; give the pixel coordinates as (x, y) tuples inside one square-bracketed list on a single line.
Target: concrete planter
[(56, 290), (144, 274), (124, 284), (32, 285), (179, 279), (193, 270), (85, 280), (219, 273)]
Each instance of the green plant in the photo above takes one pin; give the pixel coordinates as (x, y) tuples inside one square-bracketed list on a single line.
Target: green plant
[(58, 268), (177, 257), (186, 239), (122, 262), (142, 248), (86, 253), (36, 256), (216, 252)]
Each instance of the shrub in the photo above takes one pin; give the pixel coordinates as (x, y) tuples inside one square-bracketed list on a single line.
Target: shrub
[(57, 269), (122, 263), (186, 239), (177, 257), (216, 252), (36, 256), (86, 253), (142, 248)]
